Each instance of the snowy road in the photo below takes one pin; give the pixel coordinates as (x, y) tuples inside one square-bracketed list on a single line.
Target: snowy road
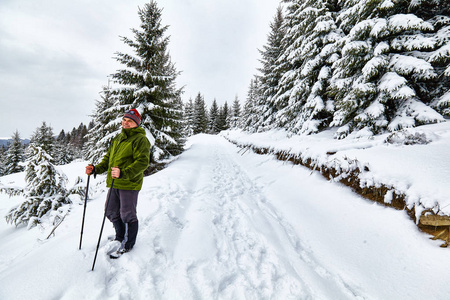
[(217, 235), (222, 224)]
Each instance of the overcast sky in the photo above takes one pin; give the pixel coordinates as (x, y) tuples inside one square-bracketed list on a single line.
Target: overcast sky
[(55, 55)]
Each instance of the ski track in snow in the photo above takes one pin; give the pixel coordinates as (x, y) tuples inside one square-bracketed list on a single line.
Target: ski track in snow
[(219, 208)]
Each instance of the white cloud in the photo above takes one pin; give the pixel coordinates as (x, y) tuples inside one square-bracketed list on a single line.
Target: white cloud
[(57, 54)]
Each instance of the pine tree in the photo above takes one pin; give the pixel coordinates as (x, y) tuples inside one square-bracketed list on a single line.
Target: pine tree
[(224, 118), (63, 151), (45, 189), (271, 73), (43, 138), (2, 160), (200, 120), (250, 115), (386, 78), (148, 83), (189, 118), (235, 115), (308, 51), (175, 144), (14, 156), (213, 118), (370, 65), (78, 138), (104, 128), (61, 136)]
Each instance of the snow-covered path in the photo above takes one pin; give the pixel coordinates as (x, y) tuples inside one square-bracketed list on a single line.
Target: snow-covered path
[(221, 224), (216, 235)]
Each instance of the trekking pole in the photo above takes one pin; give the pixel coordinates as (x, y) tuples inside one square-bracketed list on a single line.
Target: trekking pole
[(103, 224), (84, 211)]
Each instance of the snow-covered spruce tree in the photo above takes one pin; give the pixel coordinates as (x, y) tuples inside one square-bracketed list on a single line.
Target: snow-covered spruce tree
[(386, 78), (106, 125), (43, 138), (213, 118), (223, 121), (14, 156), (148, 84), (175, 144), (271, 73), (78, 139), (235, 115), (200, 119), (308, 51), (250, 116), (2, 160), (63, 152), (45, 189), (189, 118)]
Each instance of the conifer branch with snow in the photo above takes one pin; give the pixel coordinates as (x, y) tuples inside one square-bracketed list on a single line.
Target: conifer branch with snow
[(45, 189)]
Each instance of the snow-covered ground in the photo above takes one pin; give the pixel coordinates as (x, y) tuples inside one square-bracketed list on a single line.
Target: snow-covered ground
[(220, 223), (421, 172)]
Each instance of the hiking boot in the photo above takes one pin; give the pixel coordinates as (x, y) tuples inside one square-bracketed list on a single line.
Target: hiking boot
[(118, 253)]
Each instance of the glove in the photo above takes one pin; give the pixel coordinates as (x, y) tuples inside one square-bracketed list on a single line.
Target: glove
[(90, 169)]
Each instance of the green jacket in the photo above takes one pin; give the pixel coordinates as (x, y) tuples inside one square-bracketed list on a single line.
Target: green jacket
[(130, 152)]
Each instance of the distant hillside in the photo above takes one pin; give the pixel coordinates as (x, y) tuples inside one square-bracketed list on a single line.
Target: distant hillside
[(5, 141)]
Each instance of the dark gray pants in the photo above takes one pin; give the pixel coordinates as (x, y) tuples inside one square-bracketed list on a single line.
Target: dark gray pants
[(122, 205)]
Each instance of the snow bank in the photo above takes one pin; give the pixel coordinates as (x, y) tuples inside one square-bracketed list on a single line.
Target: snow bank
[(412, 162)]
